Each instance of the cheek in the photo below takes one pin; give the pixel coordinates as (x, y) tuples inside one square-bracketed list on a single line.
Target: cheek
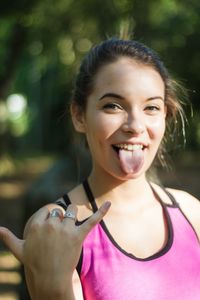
[(105, 125), (157, 128)]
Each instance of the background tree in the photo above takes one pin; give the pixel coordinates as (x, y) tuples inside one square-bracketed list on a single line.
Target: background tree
[(42, 43)]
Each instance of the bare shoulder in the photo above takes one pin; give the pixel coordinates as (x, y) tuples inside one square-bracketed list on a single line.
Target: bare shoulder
[(184, 198), (190, 207)]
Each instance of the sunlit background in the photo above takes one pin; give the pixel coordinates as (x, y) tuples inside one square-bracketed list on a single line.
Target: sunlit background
[(41, 45)]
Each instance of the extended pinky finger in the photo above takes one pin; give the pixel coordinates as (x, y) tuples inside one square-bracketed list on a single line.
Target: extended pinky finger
[(96, 217)]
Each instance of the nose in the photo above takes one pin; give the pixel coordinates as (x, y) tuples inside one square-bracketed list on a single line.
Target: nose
[(133, 124)]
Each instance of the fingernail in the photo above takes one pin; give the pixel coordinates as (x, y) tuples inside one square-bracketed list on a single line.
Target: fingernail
[(107, 204)]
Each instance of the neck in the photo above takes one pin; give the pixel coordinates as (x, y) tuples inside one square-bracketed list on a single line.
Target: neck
[(119, 191)]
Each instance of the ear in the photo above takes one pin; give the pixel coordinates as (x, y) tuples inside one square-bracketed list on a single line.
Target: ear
[(78, 117)]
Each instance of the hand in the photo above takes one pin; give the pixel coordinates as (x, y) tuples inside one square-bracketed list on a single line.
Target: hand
[(52, 247)]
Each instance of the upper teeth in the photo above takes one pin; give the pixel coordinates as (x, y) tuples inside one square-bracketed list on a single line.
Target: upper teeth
[(129, 147)]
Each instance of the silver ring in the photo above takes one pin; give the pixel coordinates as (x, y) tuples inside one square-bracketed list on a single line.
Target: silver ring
[(70, 215), (54, 213)]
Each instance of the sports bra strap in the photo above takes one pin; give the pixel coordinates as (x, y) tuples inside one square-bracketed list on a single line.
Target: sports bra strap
[(90, 195), (95, 208), (171, 197), (64, 202)]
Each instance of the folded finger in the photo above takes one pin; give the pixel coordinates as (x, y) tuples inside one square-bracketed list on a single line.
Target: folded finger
[(40, 216), (55, 213), (70, 214)]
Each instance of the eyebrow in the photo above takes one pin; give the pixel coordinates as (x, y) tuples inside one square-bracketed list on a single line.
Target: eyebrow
[(155, 97), (113, 95)]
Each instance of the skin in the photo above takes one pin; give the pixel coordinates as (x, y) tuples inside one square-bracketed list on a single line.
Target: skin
[(126, 106)]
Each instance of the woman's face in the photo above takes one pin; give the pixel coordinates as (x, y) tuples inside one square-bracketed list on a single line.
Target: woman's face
[(124, 121)]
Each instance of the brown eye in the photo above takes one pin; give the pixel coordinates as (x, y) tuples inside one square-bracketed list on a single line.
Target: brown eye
[(112, 106), (152, 108)]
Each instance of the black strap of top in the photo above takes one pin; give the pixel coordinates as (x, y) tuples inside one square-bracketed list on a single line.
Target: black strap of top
[(64, 202), (174, 202), (90, 195), (171, 197), (95, 208)]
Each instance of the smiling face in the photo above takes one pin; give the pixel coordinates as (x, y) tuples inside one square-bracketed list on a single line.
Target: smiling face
[(124, 121)]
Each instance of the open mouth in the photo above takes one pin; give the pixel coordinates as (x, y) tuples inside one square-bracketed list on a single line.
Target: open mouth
[(128, 147), (131, 156)]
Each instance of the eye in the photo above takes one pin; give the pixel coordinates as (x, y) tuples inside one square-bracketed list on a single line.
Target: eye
[(152, 108), (112, 107)]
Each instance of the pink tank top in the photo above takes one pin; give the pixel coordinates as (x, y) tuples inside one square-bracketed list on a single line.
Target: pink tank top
[(107, 272)]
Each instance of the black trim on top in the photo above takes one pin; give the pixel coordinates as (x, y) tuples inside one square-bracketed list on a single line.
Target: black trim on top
[(90, 195), (176, 204), (80, 262), (171, 197), (66, 199), (64, 202), (161, 252)]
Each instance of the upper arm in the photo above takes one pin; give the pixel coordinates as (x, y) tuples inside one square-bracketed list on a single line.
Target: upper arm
[(190, 207), (77, 288)]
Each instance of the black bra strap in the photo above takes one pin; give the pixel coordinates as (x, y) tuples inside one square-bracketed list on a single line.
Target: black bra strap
[(64, 202), (95, 208), (174, 202), (171, 197), (90, 195)]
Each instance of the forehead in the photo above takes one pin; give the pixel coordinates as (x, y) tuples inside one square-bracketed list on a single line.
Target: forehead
[(127, 76)]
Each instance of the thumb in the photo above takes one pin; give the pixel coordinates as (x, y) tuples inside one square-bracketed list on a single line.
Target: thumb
[(96, 217), (14, 244)]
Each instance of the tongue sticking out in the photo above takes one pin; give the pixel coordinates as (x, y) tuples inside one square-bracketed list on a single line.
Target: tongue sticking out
[(131, 161)]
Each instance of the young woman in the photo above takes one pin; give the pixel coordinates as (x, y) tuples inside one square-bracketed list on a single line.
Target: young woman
[(117, 235)]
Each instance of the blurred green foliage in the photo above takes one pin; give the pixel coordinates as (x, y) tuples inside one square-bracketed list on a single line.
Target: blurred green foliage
[(43, 41)]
